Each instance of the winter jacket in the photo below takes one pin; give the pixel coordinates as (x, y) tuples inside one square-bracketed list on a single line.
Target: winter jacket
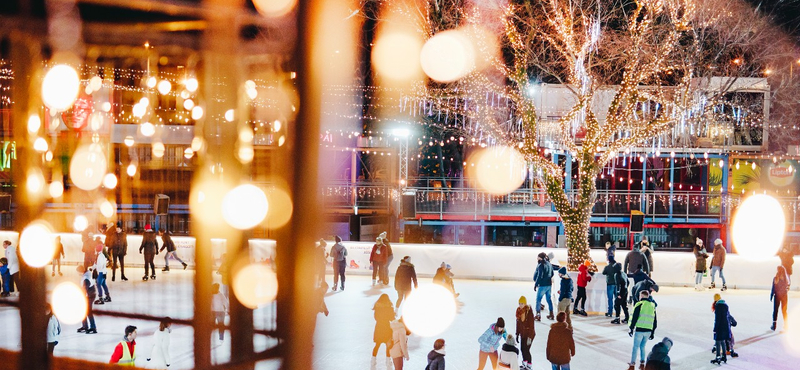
[(642, 286), (509, 355), (59, 251), (436, 360), (787, 259), (634, 259), (101, 263), (560, 344), (525, 320), (700, 256), (167, 242), (399, 340), (489, 339), (111, 235), (121, 243), (404, 276), (149, 243), (722, 321), (53, 329), (639, 276), (338, 252), (658, 359), (611, 275), (583, 276), (219, 303), (440, 277), (13, 260), (780, 289), (159, 352), (611, 251), (88, 286), (544, 274), (640, 320), (566, 288), (379, 254), (648, 254), (384, 314), (719, 256)]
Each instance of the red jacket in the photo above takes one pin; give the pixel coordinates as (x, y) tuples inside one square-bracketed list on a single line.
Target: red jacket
[(117, 355), (583, 276)]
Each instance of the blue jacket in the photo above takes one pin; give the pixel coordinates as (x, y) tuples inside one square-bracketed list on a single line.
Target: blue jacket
[(6, 278), (566, 288), (489, 340), (722, 321), (544, 274)]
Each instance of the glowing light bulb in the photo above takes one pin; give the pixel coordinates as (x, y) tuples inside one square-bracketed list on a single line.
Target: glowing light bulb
[(80, 223), (147, 129), (131, 170), (429, 310), (164, 87), (37, 244), (191, 84), (69, 303), (34, 124), (244, 206), (56, 189), (255, 285), (758, 227), (110, 181), (60, 87)]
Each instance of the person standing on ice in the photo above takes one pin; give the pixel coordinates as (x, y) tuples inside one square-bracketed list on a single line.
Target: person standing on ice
[(584, 277), (717, 263), (219, 308), (658, 359), (150, 247), (722, 330), (786, 254), (779, 296), (489, 342), (611, 250), (700, 256), (58, 256), (119, 251), (378, 258), (560, 344), (125, 351), (384, 314), (620, 293), (647, 250), (320, 261), (166, 239), (543, 284), (53, 330), (436, 356), (159, 352), (565, 294), (399, 350), (339, 255), (101, 265), (643, 327), (405, 275), (611, 284), (526, 330), (634, 259)]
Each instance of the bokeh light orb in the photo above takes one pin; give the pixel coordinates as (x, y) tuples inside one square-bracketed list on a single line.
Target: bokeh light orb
[(191, 84), (282, 208), (88, 166), (197, 112), (110, 181), (244, 207), (147, 129), (447, 56), (255, 285), (164, 87), (40, 145), (60, 87), (37, 244), (396, 55), (107, 209), (498, 170), (56, 189), (69, 303), (80, 223), (429, 310), (758, 227), (188, 153), (131, 170), (96, 83), (158, 149), (34, 181), (34, 123), (274, 8)]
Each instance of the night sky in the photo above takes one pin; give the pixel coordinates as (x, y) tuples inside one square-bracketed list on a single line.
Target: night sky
[(785, 12)]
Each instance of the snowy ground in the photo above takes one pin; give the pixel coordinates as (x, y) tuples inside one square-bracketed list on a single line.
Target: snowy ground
[(344, 339)]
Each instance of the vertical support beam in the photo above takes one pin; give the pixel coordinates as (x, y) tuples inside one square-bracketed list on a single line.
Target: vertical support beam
[(724, 211), (403, 158), (671, 183)]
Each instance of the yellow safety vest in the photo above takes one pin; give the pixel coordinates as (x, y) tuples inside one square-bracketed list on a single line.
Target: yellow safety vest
[(128, 358), (647, 314)]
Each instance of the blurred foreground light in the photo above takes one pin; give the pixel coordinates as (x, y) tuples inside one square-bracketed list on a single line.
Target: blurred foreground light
[(128, 140), (164, 87), (282, 208), (139, 110), (447, 56), (34, 182), (107, 209), (151, 82), (147, 129), (188, 104), (56, 189), (80, 223), (69, 303), (396, 55), (40, 145), (255, 285), (498, 170), (191, 84), (274, 8), (158, 149), (197, 143), (246, 154), (197, 112), (110, 181), (88, 166), (34, 123), (429, 310), (60, 87), (758, 227), (96, 83), (229, 115), (401, 132), (244, 207), (188, 153), (131, 170), (95, 121), (246, 135), (106, 107), (37, 244)]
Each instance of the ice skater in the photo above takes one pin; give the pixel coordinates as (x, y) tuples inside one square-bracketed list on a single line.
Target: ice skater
[(634, 259), (58, 256), (489, 342), (166, 241), (620, 294), (403, 278), (658, 359), (12, 263), (100, 266), (6, 277), (611, 284), (722, 330), (543, 284), (379, 258), (700, 256), (584, 277), (717, 263), (159, 352), (779, 296), (125, 351), (90, 291), (526, 331), (339, 255), (565, 294), (786, 254), (384, 314), (150, 247), (53, 330), (647, 250), (611, 250), (320, 261), (219, 307), (560, 344), (399, 350), (436, 356), (119, 250), (643, 327)]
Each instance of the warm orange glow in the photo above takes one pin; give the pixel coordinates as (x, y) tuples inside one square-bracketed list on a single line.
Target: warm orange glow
[(274, 8), (255, 285), (498, 170), (396, 55), (447, 56), (429, 310), (69, 303), (37, 244)]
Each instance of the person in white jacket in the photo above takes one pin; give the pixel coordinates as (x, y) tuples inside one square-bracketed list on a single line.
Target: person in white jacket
[(13, 265), (399, 350), (159, 353), (53, 330), (100, 266), (219, 307), (509, 355)]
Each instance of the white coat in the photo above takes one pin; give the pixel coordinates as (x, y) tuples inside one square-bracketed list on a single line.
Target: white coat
[(13, 262), (159, 353), (101, 263), (508, 357), (53, 329)]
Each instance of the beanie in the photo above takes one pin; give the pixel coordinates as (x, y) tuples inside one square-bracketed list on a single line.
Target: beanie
[(510, 340), (500, 323), (147, 227), (718, 242), (562, 271), (523, 300), (551, 256), (587, 263), (717, 297)]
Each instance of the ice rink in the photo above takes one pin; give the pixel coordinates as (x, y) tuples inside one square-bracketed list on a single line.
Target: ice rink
[(344, 339)]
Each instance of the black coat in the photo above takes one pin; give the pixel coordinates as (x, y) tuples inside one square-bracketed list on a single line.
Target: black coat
[(168, 243), (121, 243), (722, 321), (149, 243), (404, 276)]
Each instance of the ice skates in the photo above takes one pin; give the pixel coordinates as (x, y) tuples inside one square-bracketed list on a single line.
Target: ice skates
[(165, 269), (615, 321), (712, 286), (550, 316), (719, 360), (145, 278), (107, 299), (724, 288), (185, 266)]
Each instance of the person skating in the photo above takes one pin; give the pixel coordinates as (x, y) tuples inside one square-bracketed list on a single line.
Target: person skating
[(565, 294), (634, 259), (543, 284), (339, 255), (436, 356), (639, 275), (219, 307), (384, 278), (560, 343), (125, 351), (489, 342), (150, 247), (58, 256), (611, 250), (584, 277), (90, 291), (320, 260), (12, 262), (700, 256), (6, 277), (647, 250), (643, 327), (731, 342), (100, 266), (508, 357), (444, 277), (648, 285), (526, 331), (119, 250), (611, 284), (159, 352), (378, 258), (786, 254), (169, 245), (384, 314), (53, 330), (717, 263), (399, 350), (658, 359), (722, 330), (779, 295), (405, 275), (87, 247), (620, 294)]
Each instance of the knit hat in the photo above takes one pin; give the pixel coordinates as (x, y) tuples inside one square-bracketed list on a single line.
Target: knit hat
[(500, 323), (510, 340), (587, 263), (551, 256), (718, 242), (147, 227), (562, 271), (667, 342), (119, 223), (717, 297), (523, 300)]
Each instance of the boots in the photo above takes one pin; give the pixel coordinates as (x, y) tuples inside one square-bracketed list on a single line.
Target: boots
[(575, 311), (583, 313), (734, 354), (615, 321), (165, 269), (107, 298), (719, 360), (373, 282), (144, 278), (631, 366), (773, 326), (641, 365), (184, 265), (712, 285), (550, 316), (538, 317), (99, 301), (724, 287), (153, 276)]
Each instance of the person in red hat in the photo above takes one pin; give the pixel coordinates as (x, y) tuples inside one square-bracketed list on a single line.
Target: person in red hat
[(150, 248)]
